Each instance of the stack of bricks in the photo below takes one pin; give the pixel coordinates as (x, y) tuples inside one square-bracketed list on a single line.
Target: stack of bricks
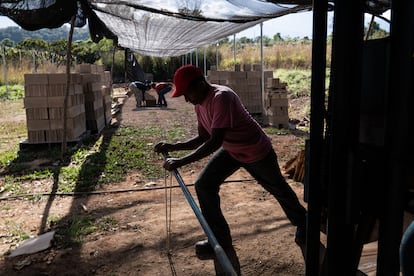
[(44, 105), (96, 88), (88, 104), (276, 103), (246, 83)]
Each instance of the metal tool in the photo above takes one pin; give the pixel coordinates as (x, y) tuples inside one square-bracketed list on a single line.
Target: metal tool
[(218, 250)]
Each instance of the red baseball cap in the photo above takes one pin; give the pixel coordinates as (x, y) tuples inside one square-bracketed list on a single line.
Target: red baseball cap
[(183, 77)]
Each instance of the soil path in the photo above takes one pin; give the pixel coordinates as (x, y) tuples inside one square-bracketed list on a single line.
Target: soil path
[(139, 243)]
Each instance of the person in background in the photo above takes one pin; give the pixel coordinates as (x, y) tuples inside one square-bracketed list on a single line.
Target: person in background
[(226, 129), (139, 88), (162, 88)]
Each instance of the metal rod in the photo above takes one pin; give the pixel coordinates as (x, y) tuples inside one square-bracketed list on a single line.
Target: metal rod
[(218, 250)]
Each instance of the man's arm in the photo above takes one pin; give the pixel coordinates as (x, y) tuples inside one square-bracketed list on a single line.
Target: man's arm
[(195, 142), (191, 144), (211, 145)]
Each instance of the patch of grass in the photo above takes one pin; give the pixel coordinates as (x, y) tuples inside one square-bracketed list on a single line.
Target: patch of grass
[(10, 108), (107, 223), (6, 207), (8, 156), (95, 162), (16, 230), (299, 81), (276, 131), (12, 92), (37, 174), (53, 220), (11, 184), (132, 148), (14, 183), (78, 227), (11, 134)]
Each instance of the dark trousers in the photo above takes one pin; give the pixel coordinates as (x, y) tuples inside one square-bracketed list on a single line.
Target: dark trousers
[(266, 172), (161, 95)]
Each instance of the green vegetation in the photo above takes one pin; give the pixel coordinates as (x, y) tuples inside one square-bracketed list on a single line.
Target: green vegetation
[(16, 34), (107, 223), (15, 230), (106, 159), (12, 92), (298, 81), (73, 230), (77, 227)]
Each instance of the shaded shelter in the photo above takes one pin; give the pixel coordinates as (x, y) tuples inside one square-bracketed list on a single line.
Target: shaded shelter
[(152, 28), (358, 154)]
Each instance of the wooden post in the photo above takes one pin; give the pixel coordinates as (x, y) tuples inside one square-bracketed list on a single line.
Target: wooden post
[(5, 71), (65, 101)]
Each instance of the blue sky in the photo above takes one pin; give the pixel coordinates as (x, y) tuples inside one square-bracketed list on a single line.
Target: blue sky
[(291, 25), (298, 25)]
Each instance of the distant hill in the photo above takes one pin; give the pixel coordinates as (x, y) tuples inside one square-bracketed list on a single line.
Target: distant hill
[(17, 34)]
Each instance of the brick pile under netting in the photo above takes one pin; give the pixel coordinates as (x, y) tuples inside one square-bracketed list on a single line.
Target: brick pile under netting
[(247, 83)]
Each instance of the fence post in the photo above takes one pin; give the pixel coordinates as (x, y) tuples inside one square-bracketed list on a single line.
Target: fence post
[(5, 70)]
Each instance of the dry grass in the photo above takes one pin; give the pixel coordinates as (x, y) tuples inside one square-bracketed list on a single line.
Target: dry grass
[(12, 124), (279, 55), (15, 72), (287, 55)]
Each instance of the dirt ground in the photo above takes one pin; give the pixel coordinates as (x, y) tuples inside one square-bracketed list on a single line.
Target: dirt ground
[(156, 228)]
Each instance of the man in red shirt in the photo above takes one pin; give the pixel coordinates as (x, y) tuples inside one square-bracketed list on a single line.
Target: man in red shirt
[(162, 88), (226, 129)]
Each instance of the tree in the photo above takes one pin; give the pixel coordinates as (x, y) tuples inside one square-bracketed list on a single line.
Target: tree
[(85, 51), (376, 31), (58, 50), (7, 42), (277, 37), (33, 44), (194, 10), (245, 40)]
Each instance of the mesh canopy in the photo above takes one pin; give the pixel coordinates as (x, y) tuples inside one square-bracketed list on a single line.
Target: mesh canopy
[(150, 27), (174, 27), (158, 27)]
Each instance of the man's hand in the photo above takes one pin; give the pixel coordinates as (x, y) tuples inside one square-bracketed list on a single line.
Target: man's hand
[(172, 163), (162, 146)]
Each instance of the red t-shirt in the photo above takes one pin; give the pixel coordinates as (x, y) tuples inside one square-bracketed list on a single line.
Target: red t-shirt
[(161, 85), (244, 139)]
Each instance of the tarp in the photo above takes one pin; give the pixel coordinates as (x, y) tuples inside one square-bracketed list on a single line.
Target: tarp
[(149, 27), (133, 69), (158, 27)]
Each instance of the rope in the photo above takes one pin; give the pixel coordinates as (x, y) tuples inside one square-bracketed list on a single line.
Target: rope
[(108, 191), (221, 256), (168, 204)]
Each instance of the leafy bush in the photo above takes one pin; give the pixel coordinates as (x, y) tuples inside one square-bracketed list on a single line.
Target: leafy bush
[(12, 92), (298, 81)]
